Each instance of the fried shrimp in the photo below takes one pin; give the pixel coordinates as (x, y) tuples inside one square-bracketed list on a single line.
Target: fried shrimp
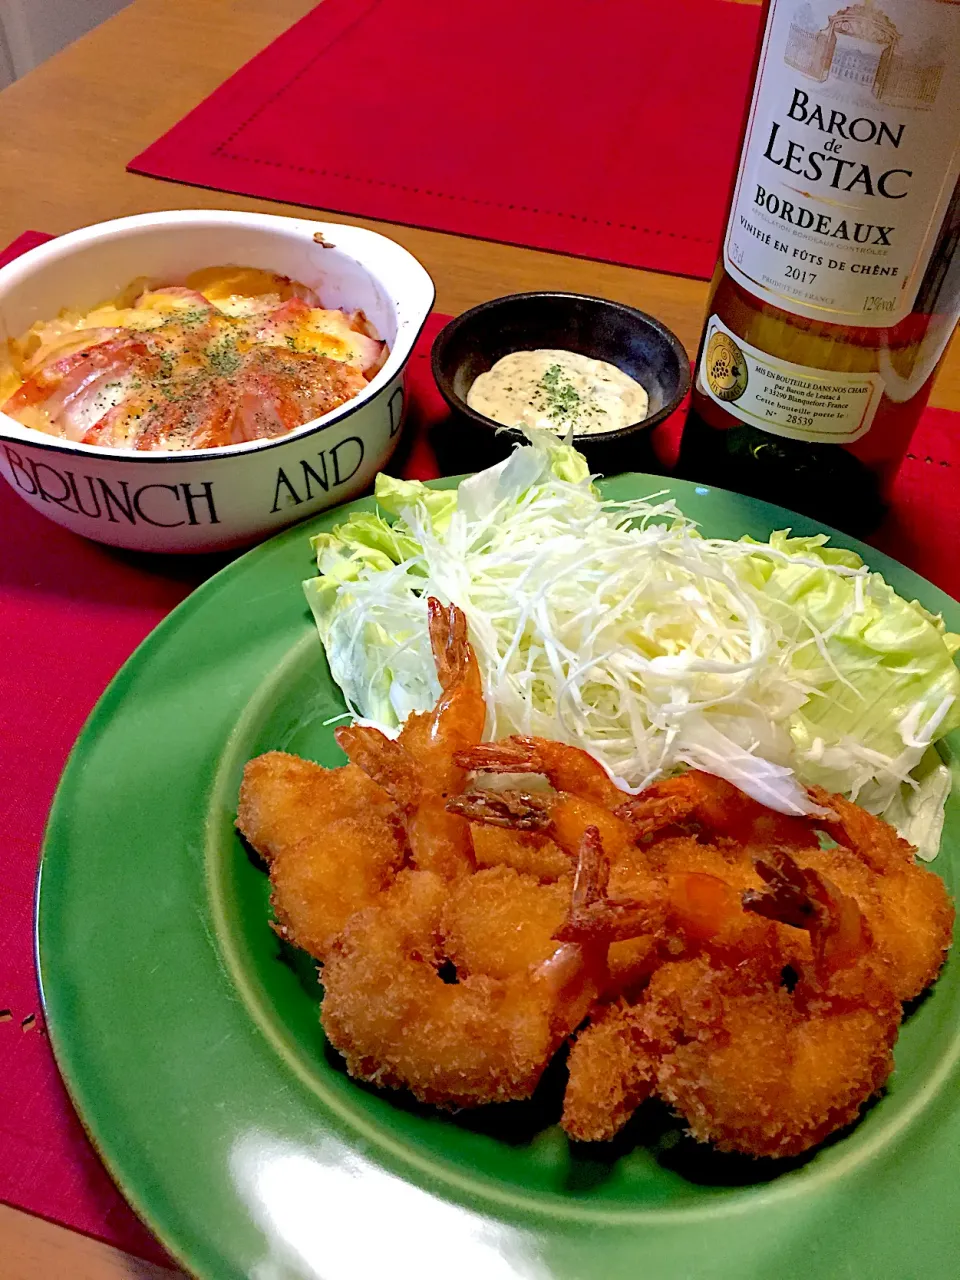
[(567, 768), (500, 921), (331, 837), (612, 1065), (439, 840), (456, 722), (906, 906), (750, 1065), (716, 805), (561, 820), (689, 887), (481, 1039), (687, 943), (419, 770), (584, 796), (611, 1072), (532, 852)]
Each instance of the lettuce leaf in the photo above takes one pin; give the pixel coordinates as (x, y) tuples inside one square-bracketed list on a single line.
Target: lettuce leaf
[(879, 668), (618, 627)]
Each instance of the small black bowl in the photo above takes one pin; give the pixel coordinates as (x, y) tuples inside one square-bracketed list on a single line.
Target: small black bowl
[(636, 343)]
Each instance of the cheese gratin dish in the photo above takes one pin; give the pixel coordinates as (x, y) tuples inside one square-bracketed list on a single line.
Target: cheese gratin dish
[(233, 354)]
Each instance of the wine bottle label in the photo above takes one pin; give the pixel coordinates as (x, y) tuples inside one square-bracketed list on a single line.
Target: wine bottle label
[(785, 399), (850, 159)]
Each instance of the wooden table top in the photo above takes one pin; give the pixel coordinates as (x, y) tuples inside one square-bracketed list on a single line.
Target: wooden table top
[(66, 132)]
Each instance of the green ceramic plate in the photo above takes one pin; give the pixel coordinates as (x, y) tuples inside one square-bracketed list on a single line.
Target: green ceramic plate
[(191, 1046)]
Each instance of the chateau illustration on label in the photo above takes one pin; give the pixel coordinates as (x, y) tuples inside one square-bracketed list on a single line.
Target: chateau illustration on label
[(861, 45)]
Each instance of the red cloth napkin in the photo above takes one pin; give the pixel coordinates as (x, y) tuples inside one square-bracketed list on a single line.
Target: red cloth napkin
[(581, 128), (71, 612)]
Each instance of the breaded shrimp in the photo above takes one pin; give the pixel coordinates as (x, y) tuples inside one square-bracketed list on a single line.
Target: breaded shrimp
[(509, 828), (500, 922), (567, 768), (566, 817), (439, 840), (701, 947), (532, 852), (691, 890), (906, 905), (691, 912), (456, 722), (715, 805), (611, 1072), (571, 815), (585, 795), (332, 839), (702, 886), (750, 1065), (480, 1039), (756, 1070), (419, 770), (562, 816)]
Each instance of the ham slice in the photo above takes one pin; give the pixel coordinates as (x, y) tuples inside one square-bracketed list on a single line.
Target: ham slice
[(62, 395)]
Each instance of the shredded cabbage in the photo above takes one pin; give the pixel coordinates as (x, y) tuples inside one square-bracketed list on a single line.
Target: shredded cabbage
[(619, 628)]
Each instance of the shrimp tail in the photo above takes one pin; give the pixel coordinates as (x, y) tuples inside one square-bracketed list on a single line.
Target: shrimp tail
[(514, 810), (383, 760), (807, 899), (648, 814), (514, 755), (452, 652), (593, 872), (596, 918), (569, 769), (793, 893)]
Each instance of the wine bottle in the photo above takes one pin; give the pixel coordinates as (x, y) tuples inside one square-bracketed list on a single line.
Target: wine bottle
[(838, 284)]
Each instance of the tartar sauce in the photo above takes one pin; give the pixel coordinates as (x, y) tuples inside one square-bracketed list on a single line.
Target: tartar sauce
[(558, 390)]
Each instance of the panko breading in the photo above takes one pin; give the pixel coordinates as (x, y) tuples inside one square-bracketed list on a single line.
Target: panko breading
[(481, 1039), (750, 1064), (528, 851), (331, 838), (752, 1069), (906, 906), (419, 770), (611, 1071), (500, 922)]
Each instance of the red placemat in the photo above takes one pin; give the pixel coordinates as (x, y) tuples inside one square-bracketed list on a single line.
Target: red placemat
[(581, 128), (71, 612)]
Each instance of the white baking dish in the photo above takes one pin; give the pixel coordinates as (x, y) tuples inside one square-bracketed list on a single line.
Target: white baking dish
[(201, 500)]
